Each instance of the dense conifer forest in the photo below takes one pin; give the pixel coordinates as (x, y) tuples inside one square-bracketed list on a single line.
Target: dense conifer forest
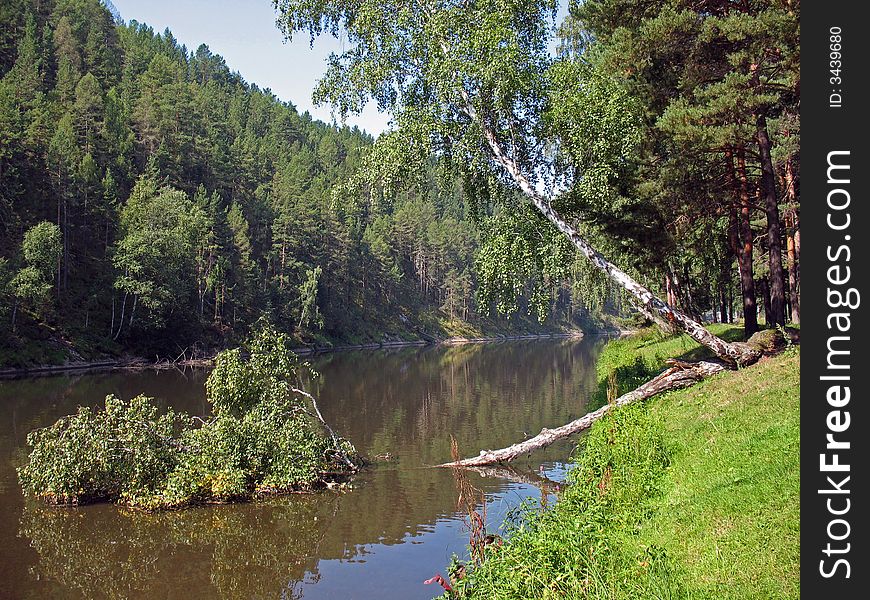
[(152, 200)]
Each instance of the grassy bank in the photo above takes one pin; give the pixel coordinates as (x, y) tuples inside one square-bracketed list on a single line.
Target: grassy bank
[(692, 495)]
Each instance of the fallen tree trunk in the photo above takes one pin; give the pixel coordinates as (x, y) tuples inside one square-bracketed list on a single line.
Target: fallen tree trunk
[(678, 375)]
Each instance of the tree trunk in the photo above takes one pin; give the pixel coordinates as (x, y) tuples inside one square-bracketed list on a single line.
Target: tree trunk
[(66, 243), (59, 226), (676, 296), (690, 306), (792, 228), (121, 320), (665, 326), (793, 277), (669, 288), (774, 230), (730, 305), (724, 282), (744, 254), (680, 375), (733, 353), (763, 287)]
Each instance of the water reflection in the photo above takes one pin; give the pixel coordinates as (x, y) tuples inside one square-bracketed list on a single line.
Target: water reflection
[(396, 527), (261, 551)]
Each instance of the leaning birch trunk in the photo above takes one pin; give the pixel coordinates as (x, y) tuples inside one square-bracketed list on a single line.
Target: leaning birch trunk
[(665, 326), (736, 354), (680, 375)]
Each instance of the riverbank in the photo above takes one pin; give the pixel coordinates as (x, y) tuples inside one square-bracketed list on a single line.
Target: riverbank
[(39, 348), (136, 363), (694, 494)]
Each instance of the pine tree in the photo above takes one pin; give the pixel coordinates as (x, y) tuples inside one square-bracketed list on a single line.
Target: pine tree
[(89, 111)]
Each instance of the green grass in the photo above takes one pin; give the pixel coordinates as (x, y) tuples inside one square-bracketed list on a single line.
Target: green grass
[(730, 513), (694, 494), (628, 362), (653, 348)]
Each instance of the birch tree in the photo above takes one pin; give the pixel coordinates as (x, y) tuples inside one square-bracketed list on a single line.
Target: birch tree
[(474, 83)]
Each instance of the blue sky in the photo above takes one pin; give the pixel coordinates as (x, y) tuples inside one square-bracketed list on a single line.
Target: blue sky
[(244, 33)]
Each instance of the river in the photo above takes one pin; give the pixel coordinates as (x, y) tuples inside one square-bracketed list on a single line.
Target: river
[(397, 525)]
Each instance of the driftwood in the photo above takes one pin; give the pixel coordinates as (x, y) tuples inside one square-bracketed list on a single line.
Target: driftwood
[(679, 375), (336, 441)]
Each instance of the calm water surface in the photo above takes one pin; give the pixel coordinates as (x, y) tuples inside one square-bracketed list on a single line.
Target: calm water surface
[(398, 525)]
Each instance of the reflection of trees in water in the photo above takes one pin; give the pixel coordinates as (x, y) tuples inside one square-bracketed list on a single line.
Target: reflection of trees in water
[(409, 402), (241, 551), (485, 395), (412, 400), (261, 551), (31, 403), (234, 551)]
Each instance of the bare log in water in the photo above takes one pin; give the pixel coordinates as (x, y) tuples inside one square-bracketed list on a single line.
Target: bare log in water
[(679, 375)]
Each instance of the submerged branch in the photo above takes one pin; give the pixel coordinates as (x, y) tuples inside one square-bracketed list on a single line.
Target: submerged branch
[(336, 441), (511, 473)]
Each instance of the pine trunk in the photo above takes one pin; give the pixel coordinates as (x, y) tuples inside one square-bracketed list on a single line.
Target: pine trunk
[(744, 254), (774, 229), (764, 289), (690, 306), (669, 289), (793, 277), (724, 282), (792, 225)]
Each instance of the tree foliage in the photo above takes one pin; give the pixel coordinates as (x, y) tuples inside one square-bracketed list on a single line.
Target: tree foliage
[(265, 437), (719, 87), (32, 285), (161, 234), (586, 135)]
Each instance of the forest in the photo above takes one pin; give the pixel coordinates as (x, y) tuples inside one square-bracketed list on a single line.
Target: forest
[(153, 201)]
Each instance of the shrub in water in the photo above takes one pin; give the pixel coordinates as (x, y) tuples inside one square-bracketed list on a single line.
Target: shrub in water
[(265, 437), (122, 451)]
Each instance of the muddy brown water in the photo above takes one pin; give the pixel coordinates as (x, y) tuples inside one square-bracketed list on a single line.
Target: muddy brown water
[(396, 527)]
